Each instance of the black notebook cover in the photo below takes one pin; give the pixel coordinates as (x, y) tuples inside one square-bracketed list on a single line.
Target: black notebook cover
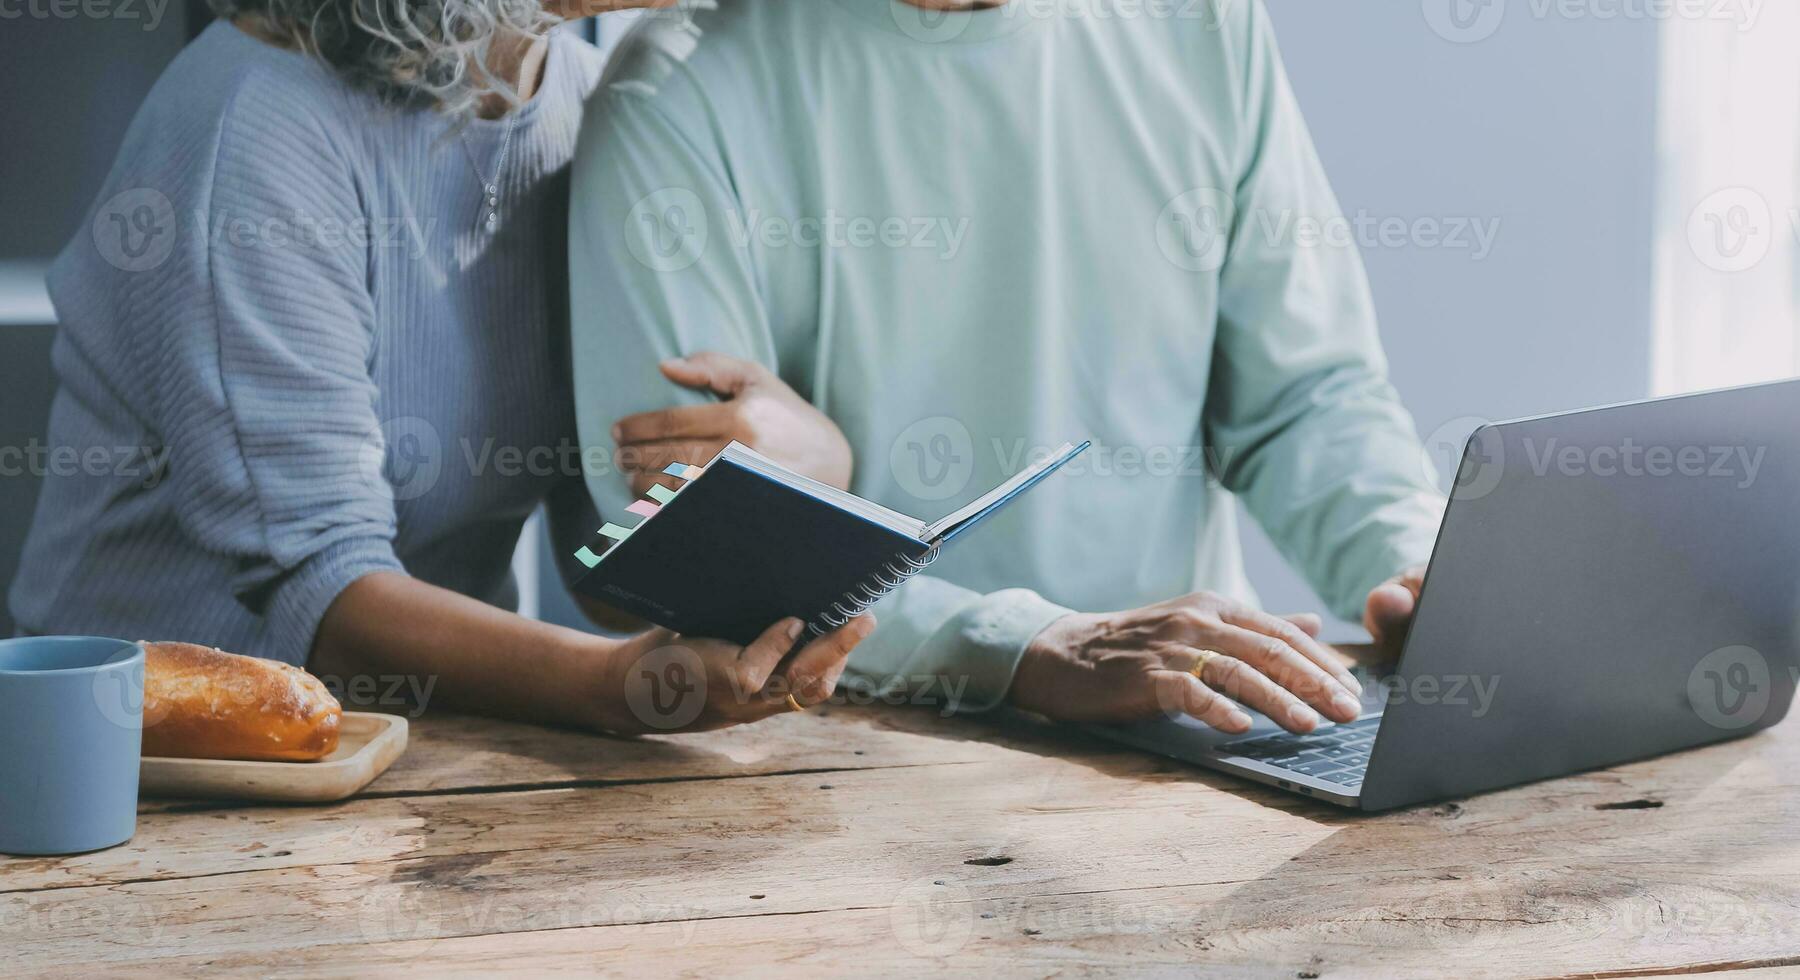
[(736, 551), (740, 548)]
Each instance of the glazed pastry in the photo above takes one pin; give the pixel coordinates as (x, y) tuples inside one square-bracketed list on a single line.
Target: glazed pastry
[(207, 704)]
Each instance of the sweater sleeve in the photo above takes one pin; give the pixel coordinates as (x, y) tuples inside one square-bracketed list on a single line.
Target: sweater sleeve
[(654, 275), (1323, 455), (255, 328)]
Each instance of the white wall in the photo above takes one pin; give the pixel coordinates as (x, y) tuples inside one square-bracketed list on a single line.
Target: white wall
[(1548, 125)]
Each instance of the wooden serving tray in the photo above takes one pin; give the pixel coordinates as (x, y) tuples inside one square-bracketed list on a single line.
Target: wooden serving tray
[(367, 745)]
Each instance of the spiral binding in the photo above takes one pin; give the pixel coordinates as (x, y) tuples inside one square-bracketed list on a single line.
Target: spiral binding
[(867, 593)]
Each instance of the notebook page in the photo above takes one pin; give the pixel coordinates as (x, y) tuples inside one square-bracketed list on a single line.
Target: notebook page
[(999, 494)]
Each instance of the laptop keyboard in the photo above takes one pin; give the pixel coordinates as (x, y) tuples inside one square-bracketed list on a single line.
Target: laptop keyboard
[(1338, 754)]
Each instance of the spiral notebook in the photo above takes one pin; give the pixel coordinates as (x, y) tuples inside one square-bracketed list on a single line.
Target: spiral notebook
[(745, 542)]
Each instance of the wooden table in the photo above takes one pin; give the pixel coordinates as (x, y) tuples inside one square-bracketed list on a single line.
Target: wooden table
[(861, 841)]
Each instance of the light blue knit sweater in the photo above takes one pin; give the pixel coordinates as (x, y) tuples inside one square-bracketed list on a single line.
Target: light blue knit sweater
[(291, 354)]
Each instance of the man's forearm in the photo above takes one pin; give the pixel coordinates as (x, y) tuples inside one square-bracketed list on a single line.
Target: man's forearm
[(947, 646), (469, 655)]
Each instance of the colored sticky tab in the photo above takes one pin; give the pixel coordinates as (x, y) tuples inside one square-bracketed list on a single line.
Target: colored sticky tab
[(693, 473), (643, 508), (616, 532), (660, 493), (587, 557), (677, 469)]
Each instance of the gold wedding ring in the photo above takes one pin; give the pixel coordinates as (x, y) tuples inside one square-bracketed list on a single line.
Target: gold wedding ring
[(1205, 657), (794, 704)]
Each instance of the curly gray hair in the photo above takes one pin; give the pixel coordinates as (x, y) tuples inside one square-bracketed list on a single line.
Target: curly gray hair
[(415, 52)]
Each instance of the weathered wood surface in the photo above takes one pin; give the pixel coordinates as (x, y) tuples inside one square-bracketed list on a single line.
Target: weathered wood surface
[(886, 841)]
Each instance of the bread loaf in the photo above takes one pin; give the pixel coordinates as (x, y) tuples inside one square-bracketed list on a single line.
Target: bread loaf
[(208, 704)]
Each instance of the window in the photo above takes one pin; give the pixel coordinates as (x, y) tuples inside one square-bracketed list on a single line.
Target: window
[(1728, 252)]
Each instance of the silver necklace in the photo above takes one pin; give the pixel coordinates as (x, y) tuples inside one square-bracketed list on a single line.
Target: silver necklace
[(490, 189)]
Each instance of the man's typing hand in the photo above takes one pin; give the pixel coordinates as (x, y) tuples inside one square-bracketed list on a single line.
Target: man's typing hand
[(1127, 666), (1389, 612)]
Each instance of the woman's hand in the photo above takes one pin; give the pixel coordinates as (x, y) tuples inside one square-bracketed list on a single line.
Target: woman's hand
[(467, 655), (1128, 666), (757, 409), (659, 682)]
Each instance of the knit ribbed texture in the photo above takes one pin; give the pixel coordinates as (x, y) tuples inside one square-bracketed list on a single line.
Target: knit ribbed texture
[(287, 296)]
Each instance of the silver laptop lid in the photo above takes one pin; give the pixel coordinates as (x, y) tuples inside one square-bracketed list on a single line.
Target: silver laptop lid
[(1607, 585)]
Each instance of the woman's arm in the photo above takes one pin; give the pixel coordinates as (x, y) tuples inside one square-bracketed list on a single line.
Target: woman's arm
[(479, 657), (475, 657)]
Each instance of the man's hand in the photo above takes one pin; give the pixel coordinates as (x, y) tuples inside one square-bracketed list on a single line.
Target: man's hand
[(757, 409), (1389, 613), (1127, 666)]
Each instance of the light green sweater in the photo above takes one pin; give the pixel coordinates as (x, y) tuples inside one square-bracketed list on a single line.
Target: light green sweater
[(969, 237)]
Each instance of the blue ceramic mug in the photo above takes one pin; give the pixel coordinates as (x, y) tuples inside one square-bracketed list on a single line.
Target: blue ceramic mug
[(71, 730)]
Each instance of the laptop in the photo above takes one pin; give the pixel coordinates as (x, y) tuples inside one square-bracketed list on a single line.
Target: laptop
[(1607, 585)]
